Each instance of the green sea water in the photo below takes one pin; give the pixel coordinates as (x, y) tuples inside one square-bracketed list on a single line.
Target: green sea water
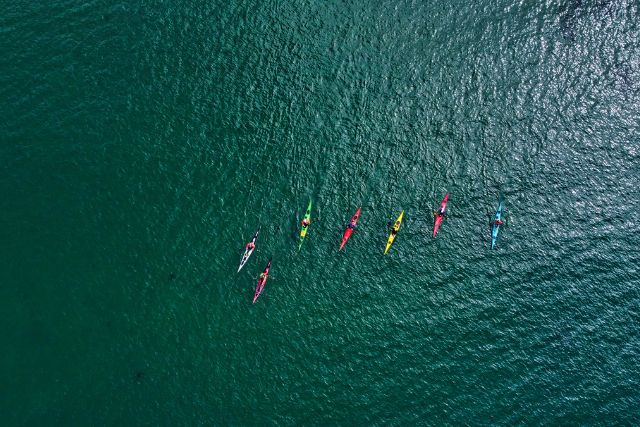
[(144, 142)]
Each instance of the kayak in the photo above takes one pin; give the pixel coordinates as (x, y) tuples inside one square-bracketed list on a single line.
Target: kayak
[(248, 252), (495, 227), (438, 222), (303, 232), (349, 230), (262, 281), (392, 236)]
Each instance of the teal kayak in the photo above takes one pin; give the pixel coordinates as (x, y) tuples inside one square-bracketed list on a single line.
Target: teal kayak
[(495, 224)]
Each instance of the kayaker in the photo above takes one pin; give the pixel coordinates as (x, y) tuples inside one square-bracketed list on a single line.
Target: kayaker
[(306, 222), (394, 231), (498, 222), (262, 277), (351, 226), (250, 246)]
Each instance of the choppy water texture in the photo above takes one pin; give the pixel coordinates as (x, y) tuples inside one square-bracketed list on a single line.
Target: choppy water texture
[(144, 142)]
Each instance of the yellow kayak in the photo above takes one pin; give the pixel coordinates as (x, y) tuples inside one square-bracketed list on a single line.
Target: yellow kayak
[(395, 229)]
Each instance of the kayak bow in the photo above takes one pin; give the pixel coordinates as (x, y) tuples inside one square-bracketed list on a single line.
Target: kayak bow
[(392, 236), (439, 217), (262, 280), (248, 252), (349, 230), (303, 232), (496, 227)]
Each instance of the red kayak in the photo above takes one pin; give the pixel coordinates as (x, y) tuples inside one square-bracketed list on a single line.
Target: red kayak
[(262, 281), (349, 230), (440, 214)]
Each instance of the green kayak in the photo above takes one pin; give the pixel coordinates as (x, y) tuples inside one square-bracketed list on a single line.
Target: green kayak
[(305, 225)]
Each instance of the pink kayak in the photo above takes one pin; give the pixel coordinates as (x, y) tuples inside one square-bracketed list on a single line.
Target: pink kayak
[(440, 214), (261, 282), (349, 230)]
